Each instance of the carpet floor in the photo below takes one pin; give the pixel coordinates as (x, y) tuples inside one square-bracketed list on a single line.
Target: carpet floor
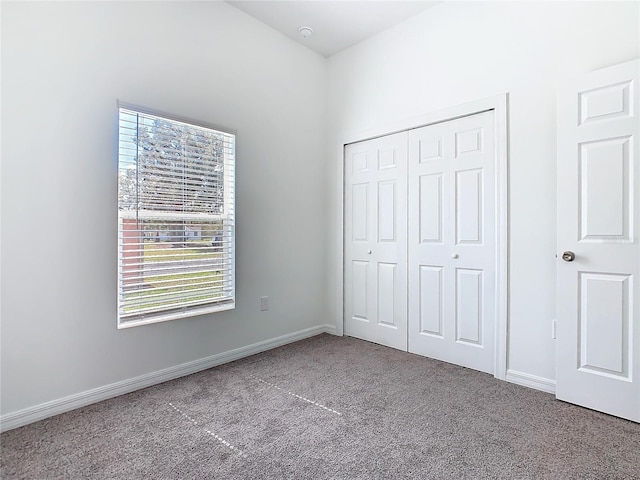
[(327, 408)]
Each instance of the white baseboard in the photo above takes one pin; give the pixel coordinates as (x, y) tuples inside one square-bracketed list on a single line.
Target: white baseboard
[(56, 407), (531, 381), (331, 329)]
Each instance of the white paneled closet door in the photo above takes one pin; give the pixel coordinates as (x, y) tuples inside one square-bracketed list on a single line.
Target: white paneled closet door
[(375, 256), (452, 241)]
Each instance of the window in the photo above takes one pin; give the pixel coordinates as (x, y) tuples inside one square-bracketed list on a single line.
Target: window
[(175, 218)]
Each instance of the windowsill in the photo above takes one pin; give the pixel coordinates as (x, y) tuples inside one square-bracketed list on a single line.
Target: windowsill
[(165, 317)]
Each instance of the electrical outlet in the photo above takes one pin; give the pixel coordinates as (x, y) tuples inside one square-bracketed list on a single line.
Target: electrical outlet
[(264, 303), (554, 328)]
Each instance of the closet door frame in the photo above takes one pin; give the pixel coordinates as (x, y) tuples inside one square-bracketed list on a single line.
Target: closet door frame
[(499, 105)]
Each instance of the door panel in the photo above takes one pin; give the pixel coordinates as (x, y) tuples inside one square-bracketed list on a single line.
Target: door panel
[(598, 347), (387, 211), (469, 294), (604, 189), (604, 323), (468, 207), (430, 205), (376, 240), (360, 277), (430, 314), (605, 102), (387, 294), (452, 255), (359, 214)]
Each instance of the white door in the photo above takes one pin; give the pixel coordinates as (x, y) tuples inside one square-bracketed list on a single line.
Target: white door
[(376, 240), (452, 241), (598, 346)]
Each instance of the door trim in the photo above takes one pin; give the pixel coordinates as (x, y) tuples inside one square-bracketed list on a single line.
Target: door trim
[(499, 104)]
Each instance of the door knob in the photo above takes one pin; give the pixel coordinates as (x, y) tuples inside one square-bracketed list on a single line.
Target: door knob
[(568, 256), (455, 255), (369, 252)]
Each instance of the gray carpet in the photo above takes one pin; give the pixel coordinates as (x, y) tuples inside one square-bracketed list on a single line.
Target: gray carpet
[(327, 408)]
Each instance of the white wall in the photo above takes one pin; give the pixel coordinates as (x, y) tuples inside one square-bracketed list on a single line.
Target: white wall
[(458, 52), (63, 67)]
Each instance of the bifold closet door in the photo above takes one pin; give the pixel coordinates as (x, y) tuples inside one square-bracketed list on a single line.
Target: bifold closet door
[(375, 256), (451, 241)]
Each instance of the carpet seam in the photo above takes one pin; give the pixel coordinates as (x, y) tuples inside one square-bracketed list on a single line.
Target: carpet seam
[(300, 397), (221, 440)]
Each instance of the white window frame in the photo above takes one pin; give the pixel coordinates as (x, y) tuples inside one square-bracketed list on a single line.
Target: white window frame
[(227, 216)]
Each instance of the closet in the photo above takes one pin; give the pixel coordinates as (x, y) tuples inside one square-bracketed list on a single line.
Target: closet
[(420, 240)]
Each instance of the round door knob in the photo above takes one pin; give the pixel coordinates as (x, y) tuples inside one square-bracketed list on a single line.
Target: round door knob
[(369, 252), (455, 255), (568, 256)]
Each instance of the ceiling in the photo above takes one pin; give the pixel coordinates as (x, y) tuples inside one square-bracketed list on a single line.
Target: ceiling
[(336, 24)]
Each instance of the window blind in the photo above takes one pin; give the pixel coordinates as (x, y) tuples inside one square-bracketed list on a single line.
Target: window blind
[(176, 219)]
